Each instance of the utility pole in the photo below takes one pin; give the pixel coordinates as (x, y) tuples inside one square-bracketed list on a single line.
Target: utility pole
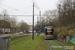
[(59, 16), (0, 25), (40, 19), (40, 16), (37, 23), (4, 21), (33, 23)]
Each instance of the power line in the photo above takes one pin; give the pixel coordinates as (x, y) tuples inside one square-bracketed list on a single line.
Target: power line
[(22, 11), (26, 7), (9, 6), (14, 8), (2, 7), (35, 15), (21, 15), (35, 4), (27, 15), (54, 4)]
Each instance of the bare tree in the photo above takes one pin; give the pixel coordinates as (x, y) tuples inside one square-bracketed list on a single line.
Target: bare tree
[(4, 19), (13, 22), (23, 26), (50, 14), (66, 12)]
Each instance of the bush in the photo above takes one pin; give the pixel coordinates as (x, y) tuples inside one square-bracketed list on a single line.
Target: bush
[(66, 30)]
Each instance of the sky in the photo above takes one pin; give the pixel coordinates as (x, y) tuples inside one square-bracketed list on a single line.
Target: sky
[(25, 7)]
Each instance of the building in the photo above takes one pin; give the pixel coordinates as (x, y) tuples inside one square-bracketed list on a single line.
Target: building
[(30, 29)]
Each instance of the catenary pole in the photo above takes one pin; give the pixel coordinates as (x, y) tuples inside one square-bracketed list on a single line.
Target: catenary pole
[(33, 23)]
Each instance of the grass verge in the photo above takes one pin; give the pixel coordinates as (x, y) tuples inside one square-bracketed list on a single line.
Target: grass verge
[(66, 44), (55, 45), (18, 37), (28, 44)]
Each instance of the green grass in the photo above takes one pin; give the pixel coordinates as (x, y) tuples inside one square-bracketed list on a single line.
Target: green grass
[(52, 43), (17, 37), (57, 47), (66, 30), (28, 44), (66, 44), (47, 45)]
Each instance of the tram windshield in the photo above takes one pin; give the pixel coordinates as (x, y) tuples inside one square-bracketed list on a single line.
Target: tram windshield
[(48, 31)]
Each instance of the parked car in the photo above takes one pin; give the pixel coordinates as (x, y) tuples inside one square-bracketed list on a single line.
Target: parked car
[(21, 33)]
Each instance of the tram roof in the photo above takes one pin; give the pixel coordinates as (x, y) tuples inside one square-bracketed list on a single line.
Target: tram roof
[(49, 27)]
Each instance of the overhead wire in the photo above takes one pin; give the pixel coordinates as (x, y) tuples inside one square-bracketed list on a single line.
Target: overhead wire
[(25, 10), (26, 7), (54, 4), (9, 7), (2, 7), (14, 8), (17, 9), (5, 9), (35, 4)]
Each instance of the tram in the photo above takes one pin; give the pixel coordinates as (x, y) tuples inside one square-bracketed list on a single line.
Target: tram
[(48, 32)]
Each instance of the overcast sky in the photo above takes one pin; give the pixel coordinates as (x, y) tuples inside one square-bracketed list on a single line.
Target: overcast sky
[(24, 7)]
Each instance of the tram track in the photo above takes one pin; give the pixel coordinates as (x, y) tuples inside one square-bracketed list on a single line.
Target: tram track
[(19, 40), (54, 42), (49, 45), (59, 45)]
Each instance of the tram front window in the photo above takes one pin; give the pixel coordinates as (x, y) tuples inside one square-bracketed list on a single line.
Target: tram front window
[(49, 32)]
